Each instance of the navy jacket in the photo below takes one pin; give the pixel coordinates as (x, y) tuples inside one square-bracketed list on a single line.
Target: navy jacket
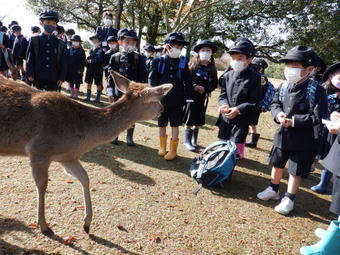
[(182, 89), (104, 32), (44, 64), (332, 161), (76, 61), (295, 105), (20, 47), (97, 57)]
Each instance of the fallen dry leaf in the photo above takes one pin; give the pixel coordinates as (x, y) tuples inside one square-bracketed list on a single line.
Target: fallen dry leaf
[(69, 240), (32, 225)]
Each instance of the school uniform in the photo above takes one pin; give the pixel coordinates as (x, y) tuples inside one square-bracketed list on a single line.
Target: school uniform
[(149, 63), (49, 64), (298, 143), (6, 42), (75, 66), (332, 163), (241, 90), (182, 89), (19, 50), (94, 70), (130, 65), (104, 32), (201, 77)]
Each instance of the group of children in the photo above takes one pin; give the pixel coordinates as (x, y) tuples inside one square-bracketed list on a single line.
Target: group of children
[(306, 106)]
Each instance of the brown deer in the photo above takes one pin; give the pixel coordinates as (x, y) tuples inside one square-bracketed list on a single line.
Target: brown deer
[(49, 126)]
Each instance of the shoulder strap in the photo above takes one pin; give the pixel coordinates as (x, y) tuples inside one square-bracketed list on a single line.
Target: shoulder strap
[(117, 59), (161, 64), (35, 42), (283, 89), (61, 45), (181, 66), (311, 93)]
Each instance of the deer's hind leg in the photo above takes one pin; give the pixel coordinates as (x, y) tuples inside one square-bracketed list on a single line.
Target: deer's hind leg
[(40, 176), (75, 169)]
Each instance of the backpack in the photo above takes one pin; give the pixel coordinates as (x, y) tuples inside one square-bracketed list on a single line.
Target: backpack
[(311, 99), (268, 97), (181, 65), (214, 165)]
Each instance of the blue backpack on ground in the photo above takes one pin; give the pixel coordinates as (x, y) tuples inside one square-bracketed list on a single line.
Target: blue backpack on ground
[(214, 165), (268, 97), (181, 65)]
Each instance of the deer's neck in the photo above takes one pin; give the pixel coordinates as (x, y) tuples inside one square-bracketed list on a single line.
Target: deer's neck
[(110, 121)]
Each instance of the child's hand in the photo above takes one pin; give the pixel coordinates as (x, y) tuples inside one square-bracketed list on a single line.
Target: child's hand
[(335, 116), (30, 78), (199, 89), (89, 61), (287, 123), (281, 117), (224, 109), (233, 112)]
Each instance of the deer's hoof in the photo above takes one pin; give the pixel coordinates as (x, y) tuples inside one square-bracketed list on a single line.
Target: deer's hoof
[(87, 229), (48, 232)]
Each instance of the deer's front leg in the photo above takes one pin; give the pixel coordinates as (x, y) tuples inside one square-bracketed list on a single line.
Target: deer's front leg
[(40, 176), (75, 169)]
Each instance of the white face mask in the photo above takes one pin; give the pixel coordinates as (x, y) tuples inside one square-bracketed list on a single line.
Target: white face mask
[(113, 46), (107, 22), (293, 74), (76, 44), (174, 52), (204, 55), (95, 45), (335, 81), (148, 54), (129, 48), (158, 54), (237, 65)]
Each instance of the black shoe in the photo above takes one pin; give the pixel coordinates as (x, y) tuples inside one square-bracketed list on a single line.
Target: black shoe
[(254, 138), (129, 137), (115, 141), (187, 139)]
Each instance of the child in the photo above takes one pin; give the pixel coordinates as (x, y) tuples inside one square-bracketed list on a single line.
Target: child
[(35, 30), (19, 50), (112, 42), (69, 33), (4, 45), (259, 64), (131, 65), (159, 51), (172, 69), (47, 55), (149, 53), (330, 238), (94, 65), (106, 30), (240, 93), (332, 86), (204, 75), (75, 66), (298, 107)]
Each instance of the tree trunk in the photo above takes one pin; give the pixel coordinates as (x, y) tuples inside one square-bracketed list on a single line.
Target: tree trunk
[(119, 10)]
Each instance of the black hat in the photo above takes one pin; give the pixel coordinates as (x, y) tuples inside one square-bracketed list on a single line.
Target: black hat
[(112, 38), (331, 69), (260, 62), (244, 46), (76, 38), (303, 54), (13, 22), (205, 43), (35, 29), (16, 28), (159, 48), (149, 48), (127, 33), (176, 37), (95, 36), (3, 29), (49, 15)]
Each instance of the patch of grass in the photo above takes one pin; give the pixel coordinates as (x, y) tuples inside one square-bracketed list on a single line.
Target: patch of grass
[(144, 205)]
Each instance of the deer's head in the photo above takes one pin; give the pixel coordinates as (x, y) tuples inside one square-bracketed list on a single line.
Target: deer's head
[(144, 99)]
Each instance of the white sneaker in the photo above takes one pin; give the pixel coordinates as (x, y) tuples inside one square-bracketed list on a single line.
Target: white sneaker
[(285, 207), (268, 193)]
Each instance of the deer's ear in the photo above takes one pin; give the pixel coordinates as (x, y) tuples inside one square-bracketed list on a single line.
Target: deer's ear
[(160, 91), (121, 82)]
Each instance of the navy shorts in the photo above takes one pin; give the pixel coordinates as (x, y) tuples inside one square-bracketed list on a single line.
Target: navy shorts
[(96, 76), (299, 162), (172, 114)]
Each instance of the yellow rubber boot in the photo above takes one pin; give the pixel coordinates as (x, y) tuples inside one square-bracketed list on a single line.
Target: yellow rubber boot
[(162, 145), (173, 150)]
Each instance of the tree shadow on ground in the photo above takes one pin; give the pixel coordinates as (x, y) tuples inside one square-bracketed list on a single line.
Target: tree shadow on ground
[(245, 186)]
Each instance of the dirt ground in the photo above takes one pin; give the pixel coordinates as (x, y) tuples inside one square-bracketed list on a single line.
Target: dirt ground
[(143, 204)]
